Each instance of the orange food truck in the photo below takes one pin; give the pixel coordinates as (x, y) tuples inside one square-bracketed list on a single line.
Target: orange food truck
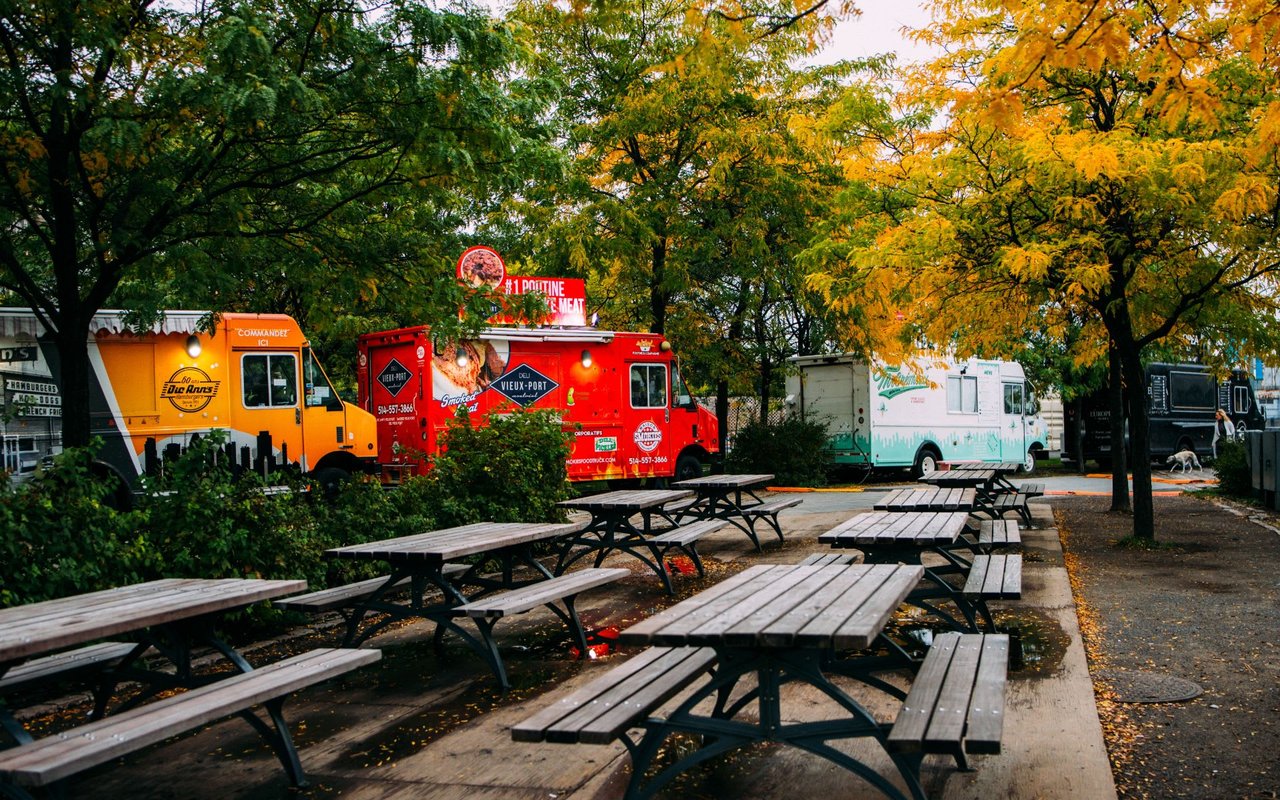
[(255, 378), (620, 395)]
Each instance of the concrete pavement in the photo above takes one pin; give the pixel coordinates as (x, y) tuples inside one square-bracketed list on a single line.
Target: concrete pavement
[(418, 725)]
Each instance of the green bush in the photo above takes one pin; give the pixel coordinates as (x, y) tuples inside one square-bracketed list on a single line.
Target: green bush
[(61, 538), (792, 450), (1235, 476), (201, 519), (512, 469)]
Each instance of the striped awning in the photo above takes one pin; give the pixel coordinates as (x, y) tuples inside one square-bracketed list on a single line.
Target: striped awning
[(15, 322)]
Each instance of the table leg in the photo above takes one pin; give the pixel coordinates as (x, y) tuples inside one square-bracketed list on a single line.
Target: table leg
[(722, 732)]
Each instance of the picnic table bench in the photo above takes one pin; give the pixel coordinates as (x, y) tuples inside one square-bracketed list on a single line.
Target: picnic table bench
[(956, 701), (48, 761)]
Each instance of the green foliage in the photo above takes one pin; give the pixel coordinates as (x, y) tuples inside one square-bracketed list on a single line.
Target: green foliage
[(791, 450), (1235, 476), (61, 538), (510, 469), (203, 518)]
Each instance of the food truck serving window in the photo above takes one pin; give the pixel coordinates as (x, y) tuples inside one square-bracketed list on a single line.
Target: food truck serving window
[(269, 381), (648, 386)]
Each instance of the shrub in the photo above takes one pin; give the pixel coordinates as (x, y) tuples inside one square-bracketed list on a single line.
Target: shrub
[(792, 450), (1235, 476), (512, 469), (201, 519), (61, 538)]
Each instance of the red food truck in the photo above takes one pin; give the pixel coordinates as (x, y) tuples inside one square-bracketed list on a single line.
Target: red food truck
[(621, 396)]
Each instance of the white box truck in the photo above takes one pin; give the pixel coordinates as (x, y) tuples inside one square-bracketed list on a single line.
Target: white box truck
[(879, 415)]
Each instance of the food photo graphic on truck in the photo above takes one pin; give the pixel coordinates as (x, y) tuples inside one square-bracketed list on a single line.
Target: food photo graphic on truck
[(880, 415), (254, 378), (620, 395)]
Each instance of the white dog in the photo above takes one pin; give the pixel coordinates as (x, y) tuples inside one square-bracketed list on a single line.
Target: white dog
[(1185, 459)]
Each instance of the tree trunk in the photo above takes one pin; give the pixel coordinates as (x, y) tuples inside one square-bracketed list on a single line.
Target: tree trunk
[(766, 375), (1079, 436), (1139, 438), (1116, 403), (73, 378), (659, 297)]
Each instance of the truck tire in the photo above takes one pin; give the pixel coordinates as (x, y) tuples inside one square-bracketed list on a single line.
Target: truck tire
[(1028, 462), (927, 458), (330, 480), (687, 466)]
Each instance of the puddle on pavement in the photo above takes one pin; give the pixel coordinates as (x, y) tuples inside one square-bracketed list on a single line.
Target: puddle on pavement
[(1037, 643)]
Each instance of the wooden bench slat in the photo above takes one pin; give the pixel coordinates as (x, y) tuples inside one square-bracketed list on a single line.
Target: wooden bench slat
[(772, 506), (913, 719), (56, 757), (604, 709), (828, 559), (995, 577), (950, 713), (60, 664), (996, 532), (685, 535), (986, 714), (515, 601)]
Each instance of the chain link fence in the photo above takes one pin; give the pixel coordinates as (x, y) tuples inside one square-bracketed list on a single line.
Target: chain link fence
[(745, 410)]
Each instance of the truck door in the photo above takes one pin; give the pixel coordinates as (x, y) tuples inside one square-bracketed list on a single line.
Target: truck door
[(324, 417), (649, 404), (1013, 423), (268, 399)]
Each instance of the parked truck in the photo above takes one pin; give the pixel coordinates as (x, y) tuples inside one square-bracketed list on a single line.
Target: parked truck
[(879, 415), (620, 395), (1182, 400), (255, 378)]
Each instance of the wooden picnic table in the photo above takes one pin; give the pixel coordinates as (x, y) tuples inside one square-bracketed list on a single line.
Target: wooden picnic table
[(732, 498), (772, 626), (906, 536), (175, 615), (965, 478), (932, 498), (612, 529)]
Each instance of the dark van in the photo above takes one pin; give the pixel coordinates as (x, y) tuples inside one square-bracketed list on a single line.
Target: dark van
[(1183, 399)]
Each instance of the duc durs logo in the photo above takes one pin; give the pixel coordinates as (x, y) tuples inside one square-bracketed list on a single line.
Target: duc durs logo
[(189, 389)]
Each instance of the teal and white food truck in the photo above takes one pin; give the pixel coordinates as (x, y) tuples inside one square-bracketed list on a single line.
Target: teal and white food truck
[(939, 409)]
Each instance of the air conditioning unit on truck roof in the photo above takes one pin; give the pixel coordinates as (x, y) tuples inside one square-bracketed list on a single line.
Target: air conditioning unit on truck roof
[(620, 395), (255, 378)]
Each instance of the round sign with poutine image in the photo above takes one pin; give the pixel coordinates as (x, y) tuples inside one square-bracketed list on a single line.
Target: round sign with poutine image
[(481, 266)]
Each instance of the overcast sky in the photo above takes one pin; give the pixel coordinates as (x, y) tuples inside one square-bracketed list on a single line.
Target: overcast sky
[(878, 30)]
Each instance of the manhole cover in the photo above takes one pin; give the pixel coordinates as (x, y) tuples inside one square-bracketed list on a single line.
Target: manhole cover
[(1132, 686)]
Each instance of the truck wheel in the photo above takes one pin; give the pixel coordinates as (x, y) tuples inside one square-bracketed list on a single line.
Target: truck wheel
[(926, 461), (330, 480), (1028, 462), (687, 466)]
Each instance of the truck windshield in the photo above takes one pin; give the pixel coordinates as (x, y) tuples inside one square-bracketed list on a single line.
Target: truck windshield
[(319, 392), (681, 390)]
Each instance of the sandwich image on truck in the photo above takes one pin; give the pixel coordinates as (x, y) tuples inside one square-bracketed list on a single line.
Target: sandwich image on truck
[(880, 415), (255, 378), (620, 395)]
